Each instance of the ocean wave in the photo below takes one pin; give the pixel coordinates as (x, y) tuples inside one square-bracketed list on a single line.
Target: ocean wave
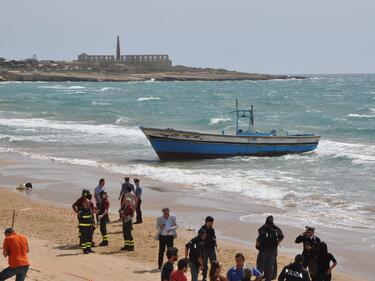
[(61, 87), (122, 120), (100, 103), (104, 89), (72, 130), (214, 121), (358, 153), (76, 87), (265, 187), (353, 115), (147, 99), (151, 80)]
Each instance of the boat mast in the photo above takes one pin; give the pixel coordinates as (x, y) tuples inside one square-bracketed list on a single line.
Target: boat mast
[(237, 114), (251, 117)]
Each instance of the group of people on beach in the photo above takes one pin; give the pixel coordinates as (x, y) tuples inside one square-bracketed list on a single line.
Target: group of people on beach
[(130, 203), (314, 262)]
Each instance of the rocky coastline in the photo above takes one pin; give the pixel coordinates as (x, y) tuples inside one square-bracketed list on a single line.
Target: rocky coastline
[(188, 74)]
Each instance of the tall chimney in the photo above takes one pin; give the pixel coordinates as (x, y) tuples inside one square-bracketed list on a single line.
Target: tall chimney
[(118, 52)]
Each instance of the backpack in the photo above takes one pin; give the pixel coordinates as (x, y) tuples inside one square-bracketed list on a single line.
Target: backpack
[(269, 238)]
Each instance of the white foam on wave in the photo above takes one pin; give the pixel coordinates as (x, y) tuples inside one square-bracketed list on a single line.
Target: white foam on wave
[(100, 103), (122, 120), (104, 89), (147, 99), (69, 130), (266, 187), (353, 115), (76, 87), (358, 153), (151, 80), (61, 87), (217, 120)]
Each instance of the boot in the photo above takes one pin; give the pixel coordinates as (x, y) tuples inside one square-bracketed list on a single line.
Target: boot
[(131, 249), (103, 243), (85, 251), (125, 248), (89, 250)]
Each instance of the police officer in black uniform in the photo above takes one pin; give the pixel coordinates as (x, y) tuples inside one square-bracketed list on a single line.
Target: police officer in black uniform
[(85, 224), (310, 242), (294, 271)]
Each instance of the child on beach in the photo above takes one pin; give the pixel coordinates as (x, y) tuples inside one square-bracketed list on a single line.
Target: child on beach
[(179, 274), (215, 272), (172, 256)]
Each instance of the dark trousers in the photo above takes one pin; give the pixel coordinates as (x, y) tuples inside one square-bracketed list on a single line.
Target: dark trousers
[(266, 263), (98, 206), (103, 228), (85, 237), (208, 255), (274, 272), (127, 227), (194, 270), (19, 271), (139, 211), (165, 241), (323, 277)]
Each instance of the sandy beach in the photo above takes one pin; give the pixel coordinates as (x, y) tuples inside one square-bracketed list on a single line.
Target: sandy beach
[(52, 229)]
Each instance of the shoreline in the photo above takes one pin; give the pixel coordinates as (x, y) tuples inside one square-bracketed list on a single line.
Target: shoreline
[(157, 194), (91, 76)]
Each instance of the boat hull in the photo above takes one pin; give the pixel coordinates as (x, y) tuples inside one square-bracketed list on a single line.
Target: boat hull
[(181, 145)]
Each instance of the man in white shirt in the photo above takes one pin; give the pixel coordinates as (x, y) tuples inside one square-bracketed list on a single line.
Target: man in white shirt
[(166, 226), (98, 199)]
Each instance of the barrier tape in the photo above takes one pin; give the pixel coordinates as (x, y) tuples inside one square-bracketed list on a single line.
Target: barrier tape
[(66, 273), (78, 276), (64, 212)]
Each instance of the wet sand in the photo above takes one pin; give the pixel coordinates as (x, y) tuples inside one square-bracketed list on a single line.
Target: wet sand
[(58, 185)]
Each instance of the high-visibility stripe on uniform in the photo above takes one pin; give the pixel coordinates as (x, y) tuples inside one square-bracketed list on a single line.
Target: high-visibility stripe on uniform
[(87, 217), (85, 224), (105, 237)]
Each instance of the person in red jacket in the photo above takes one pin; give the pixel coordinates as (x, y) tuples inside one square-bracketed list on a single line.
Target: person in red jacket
[(127, 215)]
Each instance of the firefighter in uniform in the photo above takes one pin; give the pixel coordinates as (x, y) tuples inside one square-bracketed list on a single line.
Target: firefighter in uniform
[(104, 218), (127, 225), (85, 224), (294, 271)]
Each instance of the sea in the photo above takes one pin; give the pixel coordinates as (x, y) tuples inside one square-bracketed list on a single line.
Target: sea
[(97, 124)]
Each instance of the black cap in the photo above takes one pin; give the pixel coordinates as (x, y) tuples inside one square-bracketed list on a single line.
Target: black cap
[(298, 258), (126, 179), (9, 230), (269, 220)]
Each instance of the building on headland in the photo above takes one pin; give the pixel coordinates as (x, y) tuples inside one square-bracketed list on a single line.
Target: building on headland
[(137, 62)]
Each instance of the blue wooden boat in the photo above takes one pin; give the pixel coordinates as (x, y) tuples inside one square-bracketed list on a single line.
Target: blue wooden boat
[(170, 144)]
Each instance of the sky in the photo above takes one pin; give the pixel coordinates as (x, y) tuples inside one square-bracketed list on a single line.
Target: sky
[(265, 36)]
